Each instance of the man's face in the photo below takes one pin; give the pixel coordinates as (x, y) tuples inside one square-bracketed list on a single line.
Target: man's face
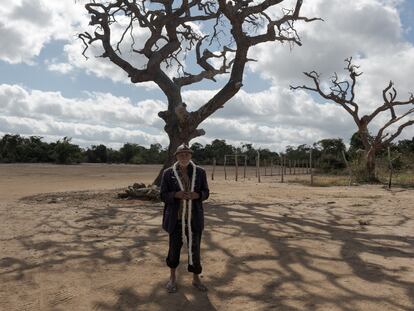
[(184, 158)]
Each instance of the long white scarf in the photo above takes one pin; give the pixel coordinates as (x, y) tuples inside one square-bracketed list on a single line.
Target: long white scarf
[(190, 204)]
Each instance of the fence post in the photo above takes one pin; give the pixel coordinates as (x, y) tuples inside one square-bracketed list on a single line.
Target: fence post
[(390, 168), (245, 166), (214, 168), (225, 172), (279, 166), (348, 167), (310, 167), (285, 165), (271, 167), (258, 166), (237, 167)]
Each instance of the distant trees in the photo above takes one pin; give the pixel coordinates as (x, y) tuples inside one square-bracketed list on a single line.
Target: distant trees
[(326, 153), (342, 92), (199, 152), (406, 146), (219, 148), (330, 154), (251, 153), (137, 154), (297, 153), (97, 154), (64, 152), (14, 148), (131, 153)]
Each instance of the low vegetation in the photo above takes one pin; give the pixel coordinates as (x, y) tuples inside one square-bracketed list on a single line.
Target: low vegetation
[(327, 156)]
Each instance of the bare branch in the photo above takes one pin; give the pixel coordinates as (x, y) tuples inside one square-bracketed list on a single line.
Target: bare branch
[(337, 94), (393, 120), (172, 34), (209, 71), (398, 132), (390, 102), (286, 31), (340, 91)]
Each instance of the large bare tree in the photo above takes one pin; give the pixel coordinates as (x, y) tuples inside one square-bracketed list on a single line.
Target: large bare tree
[(342, 92), (235, 27)]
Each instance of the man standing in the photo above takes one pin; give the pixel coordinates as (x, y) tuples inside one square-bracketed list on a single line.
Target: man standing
[(183, 188)]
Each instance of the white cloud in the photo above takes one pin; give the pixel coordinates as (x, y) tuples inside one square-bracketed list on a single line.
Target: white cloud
[(96, 117), (274, 118), (84, 134), (369, 30), (96, 108), (63, 68), (28, 25)]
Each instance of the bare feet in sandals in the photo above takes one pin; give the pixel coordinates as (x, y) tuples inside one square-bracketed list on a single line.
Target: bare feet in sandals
[(197, 284), (200, 286), (171, 287)]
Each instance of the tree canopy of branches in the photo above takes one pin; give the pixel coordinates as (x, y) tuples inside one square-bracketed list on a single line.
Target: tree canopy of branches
[(342, 92), (217, 34)]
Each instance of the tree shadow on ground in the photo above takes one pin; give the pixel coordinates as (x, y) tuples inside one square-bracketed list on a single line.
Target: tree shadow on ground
[(91, 233), (282, 232), (129, 300), (114, 233), (103, 234)]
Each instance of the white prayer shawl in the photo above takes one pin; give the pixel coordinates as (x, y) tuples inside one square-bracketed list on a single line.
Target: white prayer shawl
[(190, 239)]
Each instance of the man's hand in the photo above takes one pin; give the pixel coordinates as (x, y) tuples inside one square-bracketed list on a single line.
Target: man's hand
[(182, 195), (194, 196)]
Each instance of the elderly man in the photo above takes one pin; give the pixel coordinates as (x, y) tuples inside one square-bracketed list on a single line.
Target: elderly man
[(183, 188)]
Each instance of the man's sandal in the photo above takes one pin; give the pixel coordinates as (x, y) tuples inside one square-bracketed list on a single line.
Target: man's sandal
[(171, 287), (200, 286)]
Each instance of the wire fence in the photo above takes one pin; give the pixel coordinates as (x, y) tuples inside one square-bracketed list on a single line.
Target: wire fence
[(307, 171)]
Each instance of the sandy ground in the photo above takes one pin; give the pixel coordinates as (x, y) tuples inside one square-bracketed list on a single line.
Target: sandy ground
[(67, 243)]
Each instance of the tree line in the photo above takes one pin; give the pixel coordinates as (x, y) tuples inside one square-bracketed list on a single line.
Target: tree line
[(18, 149), (328, 153)]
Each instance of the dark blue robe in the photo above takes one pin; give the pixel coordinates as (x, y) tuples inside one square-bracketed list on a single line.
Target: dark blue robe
[(169, 186)]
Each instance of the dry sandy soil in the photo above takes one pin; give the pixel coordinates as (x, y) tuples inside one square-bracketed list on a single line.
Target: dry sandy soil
[(67, 243)]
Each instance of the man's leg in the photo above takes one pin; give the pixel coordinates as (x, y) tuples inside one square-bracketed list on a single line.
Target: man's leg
[(173, 258), (196, 268)]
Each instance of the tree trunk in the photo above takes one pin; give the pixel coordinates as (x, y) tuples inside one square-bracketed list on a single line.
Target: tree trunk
[(177, 134), (175, 141), (370, 165)]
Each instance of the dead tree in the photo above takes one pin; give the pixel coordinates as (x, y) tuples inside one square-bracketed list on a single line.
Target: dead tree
[(343, 93), (236, 26)]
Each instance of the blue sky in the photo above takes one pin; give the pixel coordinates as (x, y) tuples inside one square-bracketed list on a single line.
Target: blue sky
[(48, 89)]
